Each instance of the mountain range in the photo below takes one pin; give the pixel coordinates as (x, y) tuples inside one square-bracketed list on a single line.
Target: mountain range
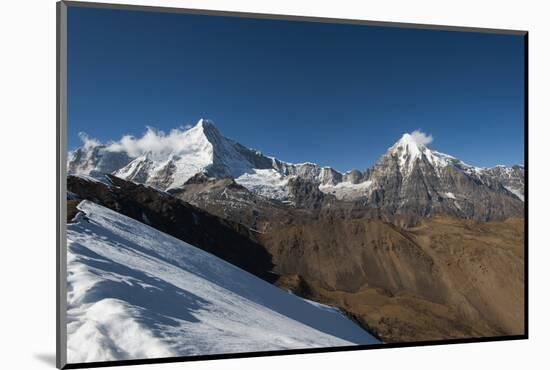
[(408, 180)]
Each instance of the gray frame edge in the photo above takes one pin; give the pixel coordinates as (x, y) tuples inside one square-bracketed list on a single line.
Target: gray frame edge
[(226, 13), (61, 188)]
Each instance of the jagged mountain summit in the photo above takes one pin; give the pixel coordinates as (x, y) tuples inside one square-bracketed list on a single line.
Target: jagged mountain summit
[(176, 158), (410, 178)]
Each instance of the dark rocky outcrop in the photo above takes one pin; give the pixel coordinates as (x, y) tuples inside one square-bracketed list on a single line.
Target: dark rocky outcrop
[(228, 240)]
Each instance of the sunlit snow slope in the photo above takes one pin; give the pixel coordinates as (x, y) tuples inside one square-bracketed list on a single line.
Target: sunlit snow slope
[(135, 292)]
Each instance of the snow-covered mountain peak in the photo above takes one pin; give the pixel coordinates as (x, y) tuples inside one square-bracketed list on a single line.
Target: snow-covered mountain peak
[(410, 139), (206, 124), (413, 147), (408, 146), (175, 157), (208, 129)]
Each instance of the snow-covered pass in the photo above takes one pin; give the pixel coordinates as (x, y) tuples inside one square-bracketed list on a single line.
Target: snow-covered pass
[(136, 293)]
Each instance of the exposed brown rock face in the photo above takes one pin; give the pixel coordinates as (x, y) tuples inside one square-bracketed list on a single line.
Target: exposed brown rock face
[(446, 278)]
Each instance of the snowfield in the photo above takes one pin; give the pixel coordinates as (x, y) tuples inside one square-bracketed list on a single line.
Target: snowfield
[(135, 292), (347, 190), (267, 183), (517, 192)]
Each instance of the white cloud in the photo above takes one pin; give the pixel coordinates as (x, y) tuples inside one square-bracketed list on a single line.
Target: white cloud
[(421, 138), (159, 143), (87, 141), (155, 141)]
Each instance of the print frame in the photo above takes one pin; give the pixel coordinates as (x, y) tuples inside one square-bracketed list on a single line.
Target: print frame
[(61, 250)]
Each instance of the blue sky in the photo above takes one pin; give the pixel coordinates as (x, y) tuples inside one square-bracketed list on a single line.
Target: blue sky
[(338, 95)]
